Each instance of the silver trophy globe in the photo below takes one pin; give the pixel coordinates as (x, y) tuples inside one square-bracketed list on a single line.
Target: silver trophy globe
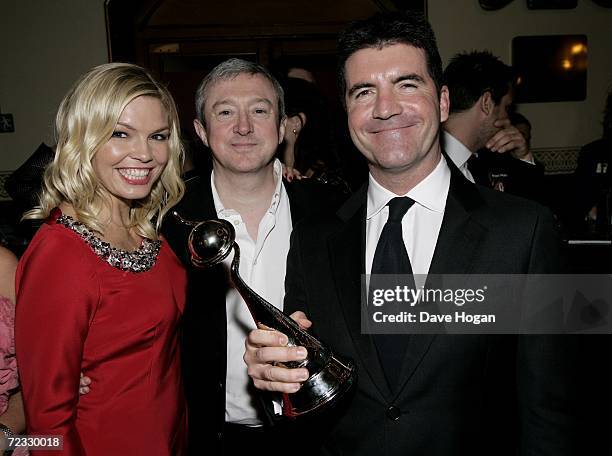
[(330, 376)]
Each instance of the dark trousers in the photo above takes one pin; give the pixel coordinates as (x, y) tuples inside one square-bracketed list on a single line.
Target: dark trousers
[(279, 438)]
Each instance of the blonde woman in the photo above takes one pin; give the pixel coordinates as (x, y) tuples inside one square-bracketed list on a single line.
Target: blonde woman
[(97, 290)]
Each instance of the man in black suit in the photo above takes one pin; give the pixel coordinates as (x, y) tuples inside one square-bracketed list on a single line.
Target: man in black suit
[(591, 195), (418, 394), (478, 136), (241, 119)]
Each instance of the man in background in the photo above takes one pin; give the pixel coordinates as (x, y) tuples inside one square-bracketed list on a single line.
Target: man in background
[(479, 136)]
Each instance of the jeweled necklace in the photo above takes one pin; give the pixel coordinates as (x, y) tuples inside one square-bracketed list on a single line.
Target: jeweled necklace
[(140, 260)]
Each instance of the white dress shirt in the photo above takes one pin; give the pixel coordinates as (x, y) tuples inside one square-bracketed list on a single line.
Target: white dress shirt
[(421, 224), (262, 267), (458, 153)]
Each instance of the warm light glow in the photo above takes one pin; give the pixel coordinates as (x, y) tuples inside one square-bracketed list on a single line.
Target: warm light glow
[(519, 80), (566, 64), (578, 48)]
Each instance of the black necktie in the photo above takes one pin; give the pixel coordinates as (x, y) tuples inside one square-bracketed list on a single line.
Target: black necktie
[(391, 257)]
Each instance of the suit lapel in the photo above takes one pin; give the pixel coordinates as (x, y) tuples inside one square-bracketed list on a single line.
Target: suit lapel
[(348, 264), (217, 274), (201, 205), (296, 205), (460, 235), (198, 205), (458, 241)]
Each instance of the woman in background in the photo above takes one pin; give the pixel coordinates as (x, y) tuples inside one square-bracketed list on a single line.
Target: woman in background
[(12, 420), (309, 147), (97, 291)]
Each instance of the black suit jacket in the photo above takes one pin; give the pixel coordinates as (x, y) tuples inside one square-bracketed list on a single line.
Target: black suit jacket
[(492, 169), (204, 331), (592, 186), (459, 391)]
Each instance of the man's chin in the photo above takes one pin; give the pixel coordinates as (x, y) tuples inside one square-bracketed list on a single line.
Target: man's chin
[(400, 162), (246, 167), (394, 159)]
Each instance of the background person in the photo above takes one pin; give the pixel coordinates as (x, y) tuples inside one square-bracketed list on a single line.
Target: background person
[(478, 135), (309, 144), (592, 187), (12, 418)]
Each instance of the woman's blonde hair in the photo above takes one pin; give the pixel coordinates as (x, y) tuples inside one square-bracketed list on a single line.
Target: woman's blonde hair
[(85, 121)]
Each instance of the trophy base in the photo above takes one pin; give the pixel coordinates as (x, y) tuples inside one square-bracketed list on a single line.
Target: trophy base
[(321, 389)]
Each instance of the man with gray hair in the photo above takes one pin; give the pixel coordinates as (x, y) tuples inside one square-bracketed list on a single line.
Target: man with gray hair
[(240, 117)]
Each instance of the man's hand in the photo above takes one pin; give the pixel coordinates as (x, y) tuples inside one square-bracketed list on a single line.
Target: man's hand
[(266, 347), (509, 139)]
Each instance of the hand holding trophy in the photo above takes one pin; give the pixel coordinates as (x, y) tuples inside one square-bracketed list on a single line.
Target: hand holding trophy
[(209, 243)]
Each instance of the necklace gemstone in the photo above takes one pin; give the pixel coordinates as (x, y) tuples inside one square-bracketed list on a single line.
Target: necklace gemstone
[(140, 260)]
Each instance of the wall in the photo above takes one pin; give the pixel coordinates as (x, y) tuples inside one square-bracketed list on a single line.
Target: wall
[(51, 42), (462, 25), (46, 46)]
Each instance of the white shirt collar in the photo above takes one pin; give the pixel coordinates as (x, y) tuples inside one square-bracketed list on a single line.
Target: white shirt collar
[(428, 193), (276, 197), (455, 149)]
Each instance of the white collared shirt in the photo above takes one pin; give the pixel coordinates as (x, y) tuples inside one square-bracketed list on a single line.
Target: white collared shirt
[(262, 267), (421, 224), (458, 153)]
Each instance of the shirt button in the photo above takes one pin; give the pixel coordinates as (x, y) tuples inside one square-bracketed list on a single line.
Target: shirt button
[(219, 435), (220, 385), (393, 413), (236, 222)]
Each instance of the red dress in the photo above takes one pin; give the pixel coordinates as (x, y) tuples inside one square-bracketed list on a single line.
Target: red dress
[(77, 313)]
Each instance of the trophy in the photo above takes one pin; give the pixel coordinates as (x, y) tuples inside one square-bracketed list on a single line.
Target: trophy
[(330, 376)]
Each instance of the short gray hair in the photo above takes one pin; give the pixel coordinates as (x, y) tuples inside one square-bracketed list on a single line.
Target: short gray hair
[(229, 69)]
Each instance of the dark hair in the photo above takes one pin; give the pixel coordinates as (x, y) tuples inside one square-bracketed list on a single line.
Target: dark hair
[(281, 66), (387, 29), (607, 119), (469, 75), (315, 144), (230, 69), (518, 119)]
